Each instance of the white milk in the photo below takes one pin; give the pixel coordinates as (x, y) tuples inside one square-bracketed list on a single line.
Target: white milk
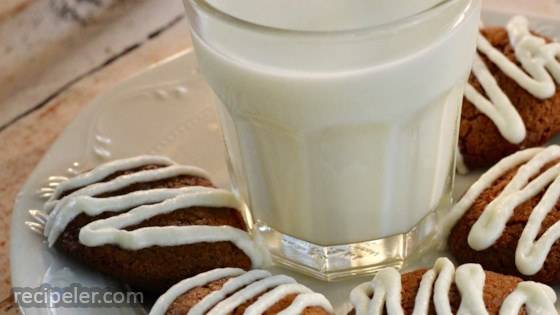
[(321, 14), (341, 137)]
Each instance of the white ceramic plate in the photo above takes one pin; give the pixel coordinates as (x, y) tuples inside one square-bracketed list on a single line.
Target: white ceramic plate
[(166, 109)]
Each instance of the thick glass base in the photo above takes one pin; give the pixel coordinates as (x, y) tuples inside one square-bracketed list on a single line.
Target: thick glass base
[(334, 262), (349, 260)]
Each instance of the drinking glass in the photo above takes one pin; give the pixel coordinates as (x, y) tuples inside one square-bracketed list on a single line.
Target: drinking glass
[(340, 122)]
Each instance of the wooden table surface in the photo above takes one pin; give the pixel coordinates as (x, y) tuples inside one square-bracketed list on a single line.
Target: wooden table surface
[(57, 55)]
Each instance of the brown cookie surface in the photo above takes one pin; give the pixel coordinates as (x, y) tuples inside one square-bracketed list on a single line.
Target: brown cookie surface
[(201, 181), (500, 257), (189, 299), (480, 141), (496, 288), (156, 268)]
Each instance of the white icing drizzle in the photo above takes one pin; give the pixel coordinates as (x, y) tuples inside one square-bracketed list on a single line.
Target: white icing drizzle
[(70, 208), (111, 231), (537, 298), (531, 252), (387, 287), (470, 279), (103, 171), (271, 297), (499, 108), (62, 211), (385, 290), (241, 288), (360, 296), (138, 206), (302, 301), (127, 180), (536, 57), (440, 277), (231, 286), (229, 304), (164, 301), (483, 183)]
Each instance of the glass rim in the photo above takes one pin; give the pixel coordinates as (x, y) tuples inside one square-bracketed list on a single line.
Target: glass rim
[(404, 22)]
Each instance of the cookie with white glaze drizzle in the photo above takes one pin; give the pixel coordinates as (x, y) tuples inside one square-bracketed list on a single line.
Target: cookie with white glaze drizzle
[(512, 100), (149, 222), (446, 290), (234, 291), (509, 220)]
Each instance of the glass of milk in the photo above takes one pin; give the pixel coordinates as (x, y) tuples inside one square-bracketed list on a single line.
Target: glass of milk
[(340, 118)]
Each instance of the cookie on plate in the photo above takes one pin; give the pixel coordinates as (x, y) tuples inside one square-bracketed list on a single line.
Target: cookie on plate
[(143, 221), (234, 291), (512, 100), (509, 220), (444, 289)]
